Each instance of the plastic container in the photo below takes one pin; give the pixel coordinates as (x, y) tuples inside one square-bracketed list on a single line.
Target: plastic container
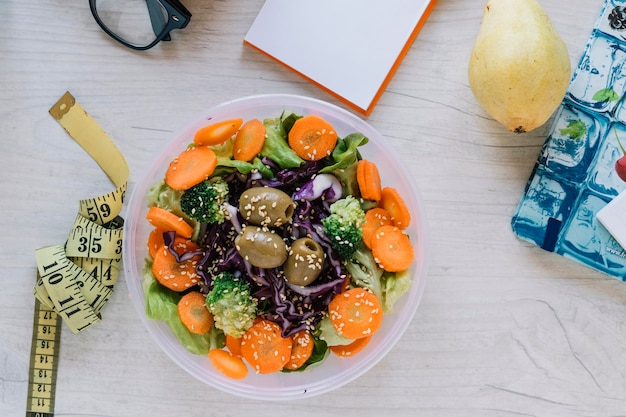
[(334, 371)]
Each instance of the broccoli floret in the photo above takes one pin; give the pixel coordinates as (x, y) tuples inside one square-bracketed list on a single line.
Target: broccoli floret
[(204, 202), (344, 226), (231, 303)]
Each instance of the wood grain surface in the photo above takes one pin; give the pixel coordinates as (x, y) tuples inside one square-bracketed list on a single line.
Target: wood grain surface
[(503, 328)]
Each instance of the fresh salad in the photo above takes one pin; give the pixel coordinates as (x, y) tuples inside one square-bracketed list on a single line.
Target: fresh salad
[(274, 245)]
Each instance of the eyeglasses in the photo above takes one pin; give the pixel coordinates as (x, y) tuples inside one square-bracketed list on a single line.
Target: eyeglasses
[(140, 24)]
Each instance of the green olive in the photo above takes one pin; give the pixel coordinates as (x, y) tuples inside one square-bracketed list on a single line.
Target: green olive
[(305, 262), (266, 206), (261, 247)]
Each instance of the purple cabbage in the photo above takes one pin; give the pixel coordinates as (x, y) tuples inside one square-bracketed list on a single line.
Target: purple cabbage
[(169, 239), (324, 186), (288, 308), (289, 176), (293, 307)]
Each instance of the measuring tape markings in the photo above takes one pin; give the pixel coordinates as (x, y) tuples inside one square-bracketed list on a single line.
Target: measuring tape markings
[(103, 209), (77, 296), (76, 279), (104, 270), (90, 240), (86, 268), (44, 362), (41, 294)]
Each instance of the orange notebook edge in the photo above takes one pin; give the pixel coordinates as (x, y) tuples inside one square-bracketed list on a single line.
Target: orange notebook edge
[(365, 111), (326, 89), (401, 55)]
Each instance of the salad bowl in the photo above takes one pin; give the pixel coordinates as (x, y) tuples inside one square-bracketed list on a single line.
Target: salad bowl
[(333, 371)]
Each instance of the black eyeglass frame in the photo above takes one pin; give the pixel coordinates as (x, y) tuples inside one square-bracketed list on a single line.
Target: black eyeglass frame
[(177, 18)]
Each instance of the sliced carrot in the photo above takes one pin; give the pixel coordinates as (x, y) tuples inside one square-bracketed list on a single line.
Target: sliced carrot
[(312, 138), (374, 218), (194, 313), (233, 344), (228, 364), (182, 245), (356, 313), (264, 347), (392, 249), (168, 221), (345, 285), (155, 241), (190, 167), (177, 276), (391, 201), (249, 140), (301, 350), (368, 179), (344, 351), (218, 132)]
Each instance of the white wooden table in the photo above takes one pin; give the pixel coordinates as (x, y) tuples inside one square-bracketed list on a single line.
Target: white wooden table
[(503, 329)]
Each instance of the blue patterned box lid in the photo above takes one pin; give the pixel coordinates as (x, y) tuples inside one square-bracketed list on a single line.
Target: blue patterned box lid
[(574, 176)]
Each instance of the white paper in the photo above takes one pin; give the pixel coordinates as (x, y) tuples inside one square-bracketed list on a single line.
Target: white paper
[(346, 46), (613, 218)]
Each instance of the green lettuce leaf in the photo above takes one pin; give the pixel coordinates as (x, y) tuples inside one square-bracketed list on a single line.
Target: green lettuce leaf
[(226, 165), (388, 287), (326, 331), (161, 305), (161, 195), (276, 146), (394, 286), (346, 152), (346, 156), (365, 272), (320, 352)]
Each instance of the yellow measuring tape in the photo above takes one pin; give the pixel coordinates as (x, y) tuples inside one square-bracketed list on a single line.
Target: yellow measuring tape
[(76, 279)]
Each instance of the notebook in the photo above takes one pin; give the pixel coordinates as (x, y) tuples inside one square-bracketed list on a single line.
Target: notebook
[(349, 48), (570, 203)]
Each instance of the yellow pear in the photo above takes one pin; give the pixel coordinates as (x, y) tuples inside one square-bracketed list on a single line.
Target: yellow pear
[(520, 68)]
